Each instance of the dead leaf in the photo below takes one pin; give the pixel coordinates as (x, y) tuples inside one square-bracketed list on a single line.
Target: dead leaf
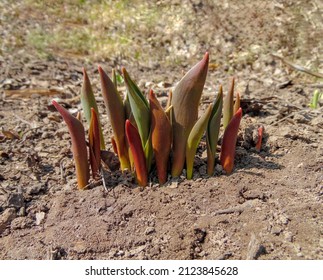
[(10, 134)]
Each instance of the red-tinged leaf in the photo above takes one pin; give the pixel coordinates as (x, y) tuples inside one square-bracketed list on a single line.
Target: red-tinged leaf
[(228, 105), (236, 103), (139, 107), (259, 141), (114, 145), (138, 154), (229, 141), (161, 137), (185, 102), (88, 102), (94, 144), (79, 149), (116, 112)]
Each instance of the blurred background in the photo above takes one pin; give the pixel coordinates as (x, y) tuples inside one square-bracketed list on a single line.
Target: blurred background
[(165, 33)]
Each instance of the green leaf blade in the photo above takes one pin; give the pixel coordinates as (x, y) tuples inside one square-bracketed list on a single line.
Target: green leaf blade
[(194, 140)]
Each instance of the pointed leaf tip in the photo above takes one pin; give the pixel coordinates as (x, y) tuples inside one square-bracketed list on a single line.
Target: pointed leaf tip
[(213, 130), (229, 142), (79, 149), (185, 101), (116, 112), (139, 107), (94, 144), (88, 101), (161, 136), (194, 140), (138, 153)]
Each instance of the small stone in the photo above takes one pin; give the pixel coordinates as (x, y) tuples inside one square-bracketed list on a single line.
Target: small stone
[(218, 168), (36, 189), (22, 212), (173, 185), (21, 223), (80, 247), (288, 236), (276, 230), (300, 254), (197, 250), (283, 219), (119, 253), (40, 216), (137, 250), (202, 254), (16, 200), (321, 242), (6, 217), (149, 230)]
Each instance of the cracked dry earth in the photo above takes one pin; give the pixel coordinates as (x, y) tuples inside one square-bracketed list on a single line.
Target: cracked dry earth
[(270, 207)]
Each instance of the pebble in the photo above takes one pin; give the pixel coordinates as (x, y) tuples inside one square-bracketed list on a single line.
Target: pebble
[(40, 216), (21, 223), (288, 236), (218, 168), (36, 189), (276, 230), (79, 247), (6, 217), (16, 200), (149, 230)]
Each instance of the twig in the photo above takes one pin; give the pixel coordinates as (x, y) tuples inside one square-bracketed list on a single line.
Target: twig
[(298, 67), (313, 85), (232, 210), (292, 114), (103, 180)]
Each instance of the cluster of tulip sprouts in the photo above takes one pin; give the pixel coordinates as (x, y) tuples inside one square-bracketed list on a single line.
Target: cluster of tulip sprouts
[(146, 135)]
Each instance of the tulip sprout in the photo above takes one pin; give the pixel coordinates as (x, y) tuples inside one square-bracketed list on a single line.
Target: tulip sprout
[(145, 133)]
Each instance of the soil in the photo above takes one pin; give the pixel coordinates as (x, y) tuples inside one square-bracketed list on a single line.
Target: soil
[(270, 207)]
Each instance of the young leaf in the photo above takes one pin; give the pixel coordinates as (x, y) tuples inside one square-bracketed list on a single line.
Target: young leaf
[(161, 137), (194, 140), (228, 105), (236, 103), (229, 141), (114, 78), (137, 153), (140, 112), (139, 107), (185, 101), (213, 130), (114, 145), (116, 112), (315, 99), (94, 145), (88, 102), (79, 149), (259, 141)]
